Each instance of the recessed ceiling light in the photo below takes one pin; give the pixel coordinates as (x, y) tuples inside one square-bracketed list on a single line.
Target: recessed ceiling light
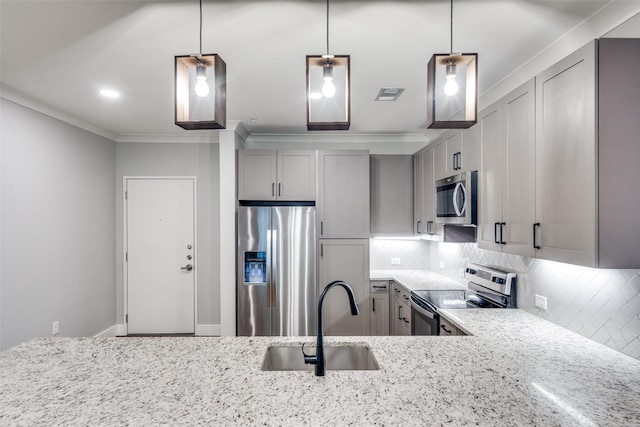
[(109, 93), (389, 93)]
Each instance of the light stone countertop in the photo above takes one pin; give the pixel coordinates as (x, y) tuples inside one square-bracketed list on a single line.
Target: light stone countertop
[(517, 369), (415, 280)]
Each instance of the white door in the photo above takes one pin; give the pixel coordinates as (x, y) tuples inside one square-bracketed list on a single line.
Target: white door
[(160, 256)]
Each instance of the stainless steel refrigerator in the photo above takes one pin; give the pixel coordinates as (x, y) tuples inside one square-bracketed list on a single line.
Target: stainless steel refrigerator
[(276, 271)]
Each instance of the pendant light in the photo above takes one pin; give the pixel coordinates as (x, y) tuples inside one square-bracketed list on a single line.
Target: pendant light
[(328, 90), (200, 90), (452, 88)]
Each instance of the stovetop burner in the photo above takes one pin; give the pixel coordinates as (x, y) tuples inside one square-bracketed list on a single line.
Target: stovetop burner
[(488, 287)]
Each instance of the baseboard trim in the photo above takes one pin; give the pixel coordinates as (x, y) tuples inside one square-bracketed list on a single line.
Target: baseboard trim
[(208, 330), (111, 331), (202, 330)]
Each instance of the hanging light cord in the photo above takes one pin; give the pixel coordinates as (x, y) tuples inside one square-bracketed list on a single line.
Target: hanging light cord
[(451, 28), (327, 27), (200, 27)]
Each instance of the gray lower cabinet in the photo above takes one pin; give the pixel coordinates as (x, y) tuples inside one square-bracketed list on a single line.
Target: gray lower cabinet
[(448, 329), (400, 310), (379, 307), (391, 195), (346, 260)]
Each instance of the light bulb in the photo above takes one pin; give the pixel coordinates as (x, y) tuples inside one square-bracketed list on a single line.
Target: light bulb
[(202, 88), (451, 86), (328, 88)]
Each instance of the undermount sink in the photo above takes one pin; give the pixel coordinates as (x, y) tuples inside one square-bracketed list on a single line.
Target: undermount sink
[(338, 358)]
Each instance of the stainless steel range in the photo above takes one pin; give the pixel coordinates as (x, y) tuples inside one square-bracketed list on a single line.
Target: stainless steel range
[(488, 287)]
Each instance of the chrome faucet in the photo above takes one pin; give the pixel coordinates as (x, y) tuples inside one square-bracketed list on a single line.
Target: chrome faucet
[(318, 358)]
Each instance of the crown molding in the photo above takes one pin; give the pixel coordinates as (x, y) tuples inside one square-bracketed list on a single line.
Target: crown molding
[(21, 98), (336, 138)]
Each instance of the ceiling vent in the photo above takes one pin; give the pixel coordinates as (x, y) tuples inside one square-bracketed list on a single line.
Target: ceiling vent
[(389, 93)]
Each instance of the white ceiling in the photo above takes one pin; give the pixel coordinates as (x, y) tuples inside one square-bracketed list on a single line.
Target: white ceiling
[(62, 52)]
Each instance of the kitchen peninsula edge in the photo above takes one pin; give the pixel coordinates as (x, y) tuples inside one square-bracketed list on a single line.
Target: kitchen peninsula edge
[(516, 369)]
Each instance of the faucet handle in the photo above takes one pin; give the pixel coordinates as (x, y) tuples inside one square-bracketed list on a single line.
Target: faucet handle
[(309, 359)]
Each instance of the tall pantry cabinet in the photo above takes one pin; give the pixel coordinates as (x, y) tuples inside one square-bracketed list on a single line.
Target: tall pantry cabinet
[(343, 230)]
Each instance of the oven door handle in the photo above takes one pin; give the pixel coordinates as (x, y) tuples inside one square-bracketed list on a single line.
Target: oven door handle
[(427, 313)]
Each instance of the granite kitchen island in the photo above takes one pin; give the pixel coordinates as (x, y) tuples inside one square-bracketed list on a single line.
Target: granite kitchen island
[(517, 369)]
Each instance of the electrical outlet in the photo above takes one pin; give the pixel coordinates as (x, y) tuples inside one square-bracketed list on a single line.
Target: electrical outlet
[(55, 328), (441, 265), (541, 302), (395, 261)]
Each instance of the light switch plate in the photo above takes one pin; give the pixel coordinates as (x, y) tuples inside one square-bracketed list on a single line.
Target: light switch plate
[(395, 261), (541, 302)]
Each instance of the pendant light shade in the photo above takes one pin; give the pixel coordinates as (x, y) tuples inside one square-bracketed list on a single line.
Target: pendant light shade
[(452, 88), (328, 88), (452, 91), (200, 90)]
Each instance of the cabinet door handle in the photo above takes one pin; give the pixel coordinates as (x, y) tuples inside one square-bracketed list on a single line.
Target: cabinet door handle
[(430, 228), (502, 233), (379, 287), (373, 300), (273, 189), (321, 228), (454, 161), (321, 250), (535, 244), (444, 328), (405, 320), (418, 227), (495, 232), (279, 189), (400, 312)]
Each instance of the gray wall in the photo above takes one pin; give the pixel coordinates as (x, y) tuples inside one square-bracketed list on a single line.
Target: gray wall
[(183, 159), (57, 228)]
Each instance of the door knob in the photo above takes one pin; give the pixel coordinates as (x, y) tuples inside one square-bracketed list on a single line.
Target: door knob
[(187, 267)]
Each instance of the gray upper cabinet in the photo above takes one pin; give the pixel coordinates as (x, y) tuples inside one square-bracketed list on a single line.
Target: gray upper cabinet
[(277, 175), (587, 155), (257, 174), (457, 151), (391, 195), (343, 194), (507, 173), (566, 150), (424, 195)]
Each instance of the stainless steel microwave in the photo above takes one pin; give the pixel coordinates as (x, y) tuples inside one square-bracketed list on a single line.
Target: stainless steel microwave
[(456, 199)]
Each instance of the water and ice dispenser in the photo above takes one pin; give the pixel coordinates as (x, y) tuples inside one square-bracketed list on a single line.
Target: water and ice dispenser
[(255, 267)]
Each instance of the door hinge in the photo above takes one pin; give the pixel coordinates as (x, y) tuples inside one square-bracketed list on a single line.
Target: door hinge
[(126, 195), (126, 318), (126, 256)]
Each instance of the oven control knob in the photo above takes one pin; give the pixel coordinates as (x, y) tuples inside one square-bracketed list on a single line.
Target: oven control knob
[(471, 271)]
